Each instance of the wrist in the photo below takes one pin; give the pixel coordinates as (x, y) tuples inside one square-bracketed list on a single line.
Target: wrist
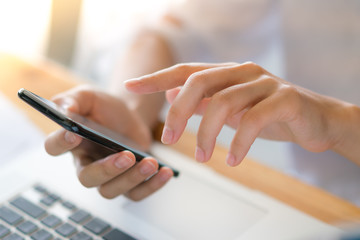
[(348, 133)]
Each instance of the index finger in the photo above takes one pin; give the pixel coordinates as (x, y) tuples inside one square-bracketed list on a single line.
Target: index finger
[(167, 78), (61, 141)]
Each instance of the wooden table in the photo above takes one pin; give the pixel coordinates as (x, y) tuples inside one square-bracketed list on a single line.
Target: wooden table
[(47, 79)]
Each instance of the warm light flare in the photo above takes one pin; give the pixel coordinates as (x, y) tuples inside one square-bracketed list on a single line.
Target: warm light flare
[(24, 26)]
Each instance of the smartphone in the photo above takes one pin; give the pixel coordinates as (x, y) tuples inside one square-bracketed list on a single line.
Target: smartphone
[(109, 141)]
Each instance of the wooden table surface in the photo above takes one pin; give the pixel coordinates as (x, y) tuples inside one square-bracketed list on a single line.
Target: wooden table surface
[(48, 79)]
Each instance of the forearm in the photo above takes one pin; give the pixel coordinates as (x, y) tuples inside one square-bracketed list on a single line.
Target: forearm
[(148, 53), (348, 144)]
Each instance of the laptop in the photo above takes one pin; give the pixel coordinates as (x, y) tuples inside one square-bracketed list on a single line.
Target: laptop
[(200, 204), (41, 198)]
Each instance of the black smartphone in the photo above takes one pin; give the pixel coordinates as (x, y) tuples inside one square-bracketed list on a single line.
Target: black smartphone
[(84, 127)]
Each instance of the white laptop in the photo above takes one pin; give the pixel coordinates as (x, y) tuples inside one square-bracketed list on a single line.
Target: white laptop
[(41, 198), (198, 205)]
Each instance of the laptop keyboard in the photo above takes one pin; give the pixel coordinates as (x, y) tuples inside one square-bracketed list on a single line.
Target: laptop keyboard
[(39, 214)]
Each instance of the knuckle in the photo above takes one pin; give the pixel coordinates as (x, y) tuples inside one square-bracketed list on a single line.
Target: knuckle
[(236, 142), (106, 172), (252, 67), (202, 138), (197, 79), (220, 99), (293, 104), (221, 103), (181, 68), (268, 80), (102, 170), (135, 179), (291, 91), (251, 64), (251, 120), (230, 64), (292, 94), (175, 112)]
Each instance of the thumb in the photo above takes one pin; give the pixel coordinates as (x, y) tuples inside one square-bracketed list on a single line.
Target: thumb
[(67, 104)]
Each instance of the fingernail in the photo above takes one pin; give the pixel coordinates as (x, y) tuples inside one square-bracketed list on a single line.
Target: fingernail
[(132, 82), (167, 136), (123, 162), (199, 155), (67, 104), (70, 137), (147, 168), (230, 160)]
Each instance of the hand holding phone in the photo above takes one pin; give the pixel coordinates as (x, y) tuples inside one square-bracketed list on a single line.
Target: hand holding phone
[(105, 139)]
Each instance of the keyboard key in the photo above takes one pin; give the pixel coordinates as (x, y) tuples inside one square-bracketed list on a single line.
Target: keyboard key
[(69, 205), (10, 216), (116, 234), (80, 216), (55, 196), (28, 207), (97, 226), (48, 201), (42, 235), (14, 236), (51, 221), (27, 227), (40, 189), (81, 236), (3, 231), (66, 230)]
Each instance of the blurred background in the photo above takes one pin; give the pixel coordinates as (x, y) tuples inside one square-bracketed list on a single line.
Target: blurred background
[(318, 36), (24, 27), (78, 33), (69, 32), (315, 44)]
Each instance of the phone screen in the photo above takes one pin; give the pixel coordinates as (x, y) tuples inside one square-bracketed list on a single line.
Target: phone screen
[(85, 127)]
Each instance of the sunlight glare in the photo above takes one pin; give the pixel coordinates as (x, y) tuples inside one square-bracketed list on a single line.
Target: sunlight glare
[(24, 26)]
